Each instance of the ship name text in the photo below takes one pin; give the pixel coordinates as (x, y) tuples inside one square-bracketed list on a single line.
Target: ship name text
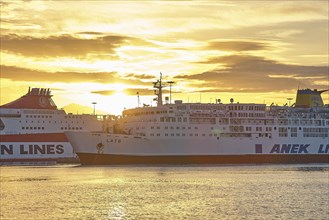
[(297, 149), (32, 149)]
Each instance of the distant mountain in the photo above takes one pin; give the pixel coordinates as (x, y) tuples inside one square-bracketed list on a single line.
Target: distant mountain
[(80, 109)]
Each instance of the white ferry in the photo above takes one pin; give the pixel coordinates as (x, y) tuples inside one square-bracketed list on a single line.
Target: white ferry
[(195, 133), (32, 129)]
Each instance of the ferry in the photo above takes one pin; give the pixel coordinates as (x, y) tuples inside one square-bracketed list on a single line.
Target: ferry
[(211, 133), (32, 129)]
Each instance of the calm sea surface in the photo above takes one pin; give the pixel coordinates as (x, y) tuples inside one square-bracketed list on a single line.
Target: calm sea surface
[(167, 192)]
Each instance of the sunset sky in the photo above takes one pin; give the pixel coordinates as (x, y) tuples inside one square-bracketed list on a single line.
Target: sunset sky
[(107, 51)]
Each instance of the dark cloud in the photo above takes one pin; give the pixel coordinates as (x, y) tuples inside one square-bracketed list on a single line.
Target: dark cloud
[(255, 74), (4, 4), (236, 45), (139, 76), (141, 91), (261, 65), (66, 45), (105, 92), (23, 74), (91, 33)]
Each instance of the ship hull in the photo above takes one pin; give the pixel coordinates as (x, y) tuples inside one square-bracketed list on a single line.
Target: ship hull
[(108, 159), (35, 148), (115, 149)]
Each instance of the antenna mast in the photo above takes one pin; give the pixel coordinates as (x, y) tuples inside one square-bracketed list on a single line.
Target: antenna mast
[(170, 84), (158, 85)]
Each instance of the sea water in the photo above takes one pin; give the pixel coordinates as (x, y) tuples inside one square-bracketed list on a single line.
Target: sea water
[(165, 192)]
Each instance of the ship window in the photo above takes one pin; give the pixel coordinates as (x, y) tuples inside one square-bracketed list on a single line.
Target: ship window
[(23, 128)]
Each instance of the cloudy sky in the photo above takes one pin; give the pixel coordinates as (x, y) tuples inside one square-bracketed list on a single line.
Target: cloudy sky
[(107, 51)]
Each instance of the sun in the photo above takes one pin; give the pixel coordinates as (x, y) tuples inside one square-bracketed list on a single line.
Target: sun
[(116, 102)]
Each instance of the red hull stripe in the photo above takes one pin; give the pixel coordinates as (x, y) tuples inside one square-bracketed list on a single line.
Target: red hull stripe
[(37, 160), (106, 159), (47, 137)]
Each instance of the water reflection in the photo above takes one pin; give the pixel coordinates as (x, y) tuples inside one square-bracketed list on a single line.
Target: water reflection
[(213, 192), (118, 212)]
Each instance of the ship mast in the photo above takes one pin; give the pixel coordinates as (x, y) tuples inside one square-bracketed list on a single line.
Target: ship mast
[(158, 85)]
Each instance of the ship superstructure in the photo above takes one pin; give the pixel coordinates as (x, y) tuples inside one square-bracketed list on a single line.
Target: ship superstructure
[(32, 128), (212, 133)]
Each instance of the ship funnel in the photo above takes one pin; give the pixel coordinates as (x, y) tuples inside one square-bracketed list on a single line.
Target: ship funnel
[(307, 98)]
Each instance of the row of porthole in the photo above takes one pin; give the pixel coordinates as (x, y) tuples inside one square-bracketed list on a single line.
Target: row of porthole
[(71, 128), (38, 116), (77, 116), (183, 135), (189, 128), (53, 121), (42, 128), (33, 128)]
